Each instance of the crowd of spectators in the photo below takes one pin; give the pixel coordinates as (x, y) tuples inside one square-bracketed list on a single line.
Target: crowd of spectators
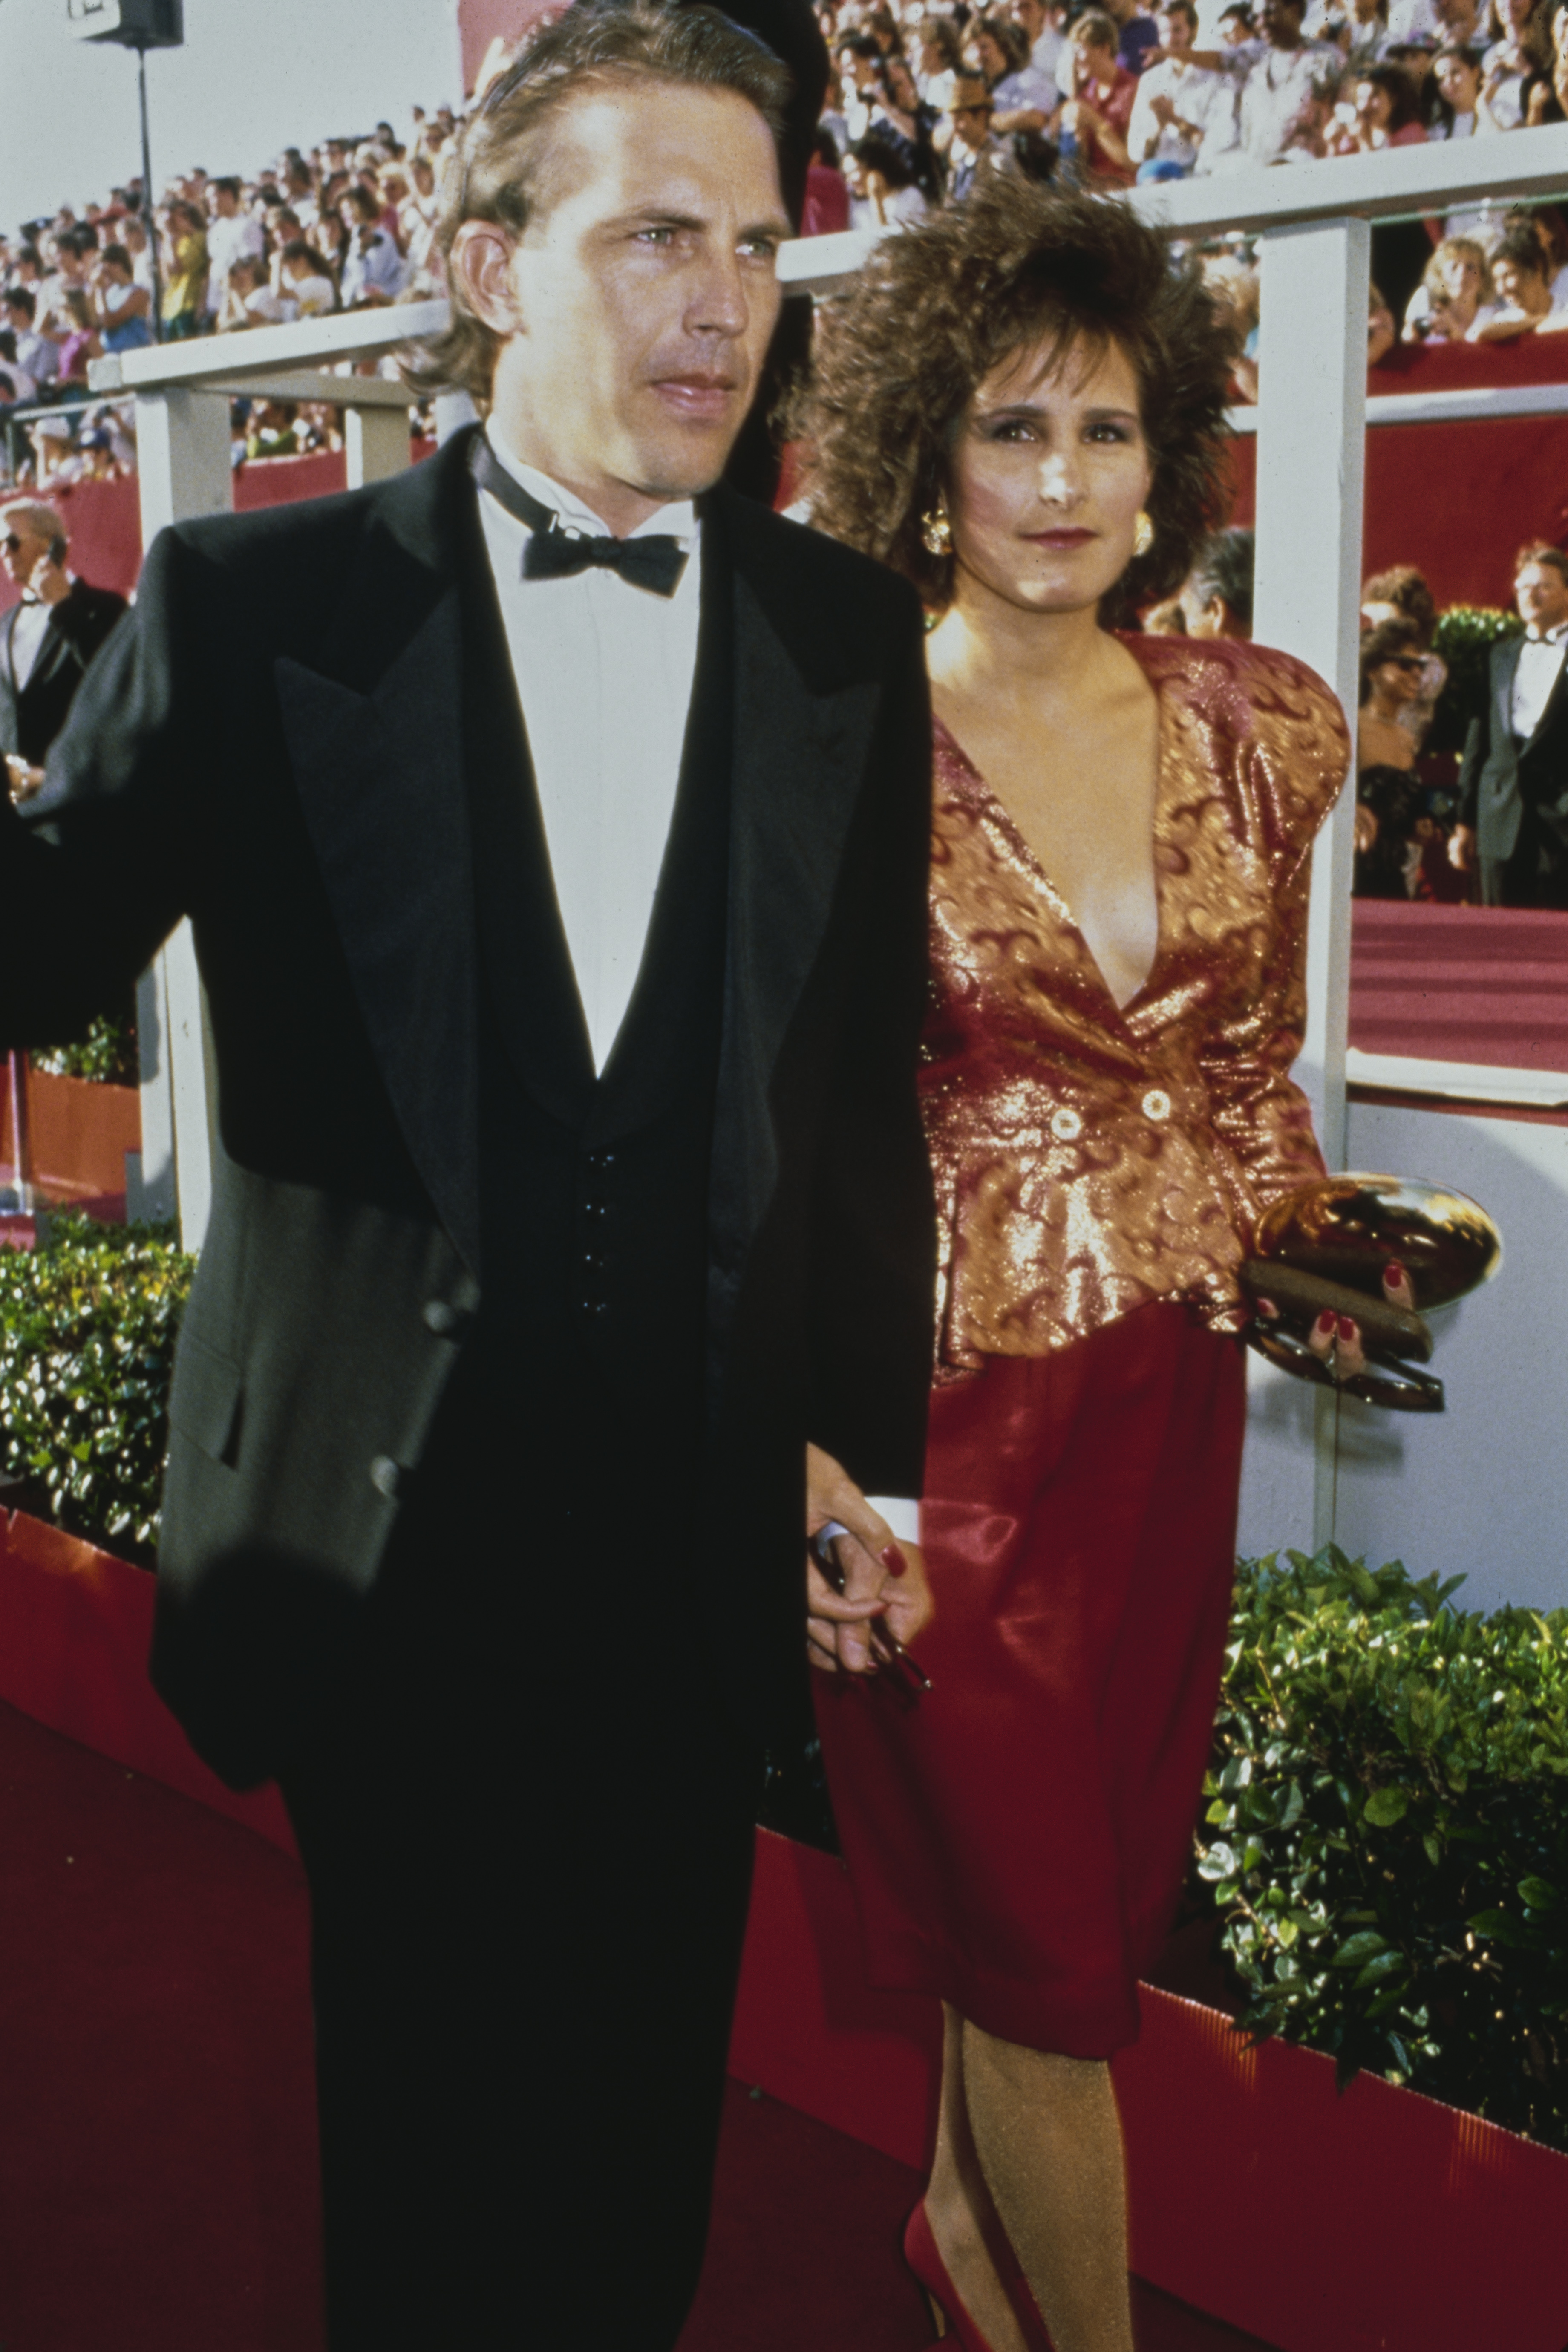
[(348, 226)]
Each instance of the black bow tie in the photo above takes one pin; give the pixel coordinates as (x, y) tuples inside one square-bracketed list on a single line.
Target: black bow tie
[(556, 551)]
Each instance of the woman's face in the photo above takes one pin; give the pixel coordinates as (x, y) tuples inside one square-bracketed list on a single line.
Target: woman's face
[(1519, 289), (1458, 82), (1094, 65), (900, 84), (1372, 104), (1398, 679), (989, 57), (1516, 15), (1046, 479)]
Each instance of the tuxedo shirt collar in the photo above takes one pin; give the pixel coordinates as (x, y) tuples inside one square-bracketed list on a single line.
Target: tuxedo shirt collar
[(675, 520)]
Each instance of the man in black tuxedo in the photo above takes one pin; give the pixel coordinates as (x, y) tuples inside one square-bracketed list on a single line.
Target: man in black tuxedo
[(1514, 780), (553, 832), (47, 640)]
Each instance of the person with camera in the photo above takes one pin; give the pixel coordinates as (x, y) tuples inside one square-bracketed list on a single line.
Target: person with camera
[(46, 641)]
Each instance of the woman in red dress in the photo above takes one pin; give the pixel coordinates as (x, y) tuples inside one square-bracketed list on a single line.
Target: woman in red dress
[(1021, 408)]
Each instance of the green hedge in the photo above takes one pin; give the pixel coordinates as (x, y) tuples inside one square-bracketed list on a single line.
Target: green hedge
[(87, 1323), (1465, 636), (1386, 1832), (107, 1053)]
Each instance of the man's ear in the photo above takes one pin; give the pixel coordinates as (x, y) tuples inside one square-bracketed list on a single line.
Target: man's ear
[(480, 262)]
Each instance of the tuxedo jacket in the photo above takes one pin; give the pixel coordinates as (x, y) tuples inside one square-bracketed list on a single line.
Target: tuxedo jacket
[(282, 743), (31, 716), (1499, 774)]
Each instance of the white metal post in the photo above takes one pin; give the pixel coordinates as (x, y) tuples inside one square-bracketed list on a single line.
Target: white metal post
[(184, 470), (1312, 446), (375, 442)]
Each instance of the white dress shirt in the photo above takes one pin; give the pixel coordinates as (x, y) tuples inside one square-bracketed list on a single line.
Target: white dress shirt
[(1535, 679), (604, 674), (28, 631)]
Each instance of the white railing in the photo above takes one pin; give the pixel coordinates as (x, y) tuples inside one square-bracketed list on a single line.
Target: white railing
[(1312, 226)]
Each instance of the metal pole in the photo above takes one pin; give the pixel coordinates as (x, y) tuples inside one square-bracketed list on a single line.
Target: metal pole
[(149, 219), (17, 1074)]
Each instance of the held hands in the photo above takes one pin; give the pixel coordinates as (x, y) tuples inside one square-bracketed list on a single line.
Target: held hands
[(21, 780), (884, 1581)]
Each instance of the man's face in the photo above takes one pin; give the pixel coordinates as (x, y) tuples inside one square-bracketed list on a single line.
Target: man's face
[(638, 305), (1541, 593), (1031, 15), (1175, 32), (1282, 23), (22, 547), (1457, 18)]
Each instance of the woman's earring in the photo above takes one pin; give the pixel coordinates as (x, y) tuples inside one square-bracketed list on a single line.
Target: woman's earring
[(1142, 534), (936, 530)]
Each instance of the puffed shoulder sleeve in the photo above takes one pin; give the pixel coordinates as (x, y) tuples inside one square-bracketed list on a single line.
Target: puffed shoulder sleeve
[(1292, 752)]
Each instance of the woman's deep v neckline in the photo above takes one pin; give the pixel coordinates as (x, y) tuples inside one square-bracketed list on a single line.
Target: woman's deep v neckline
[(1003, 817)]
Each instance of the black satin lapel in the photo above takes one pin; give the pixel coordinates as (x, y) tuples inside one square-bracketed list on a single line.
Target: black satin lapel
[(799, 754), (527, 961), (381, 782)]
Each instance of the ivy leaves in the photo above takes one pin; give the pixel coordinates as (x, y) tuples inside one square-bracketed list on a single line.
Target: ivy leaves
[(1385, 1834), (88, 1325)]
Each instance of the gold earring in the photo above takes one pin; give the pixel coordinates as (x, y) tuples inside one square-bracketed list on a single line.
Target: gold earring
[(936, 530), (1142, 534)]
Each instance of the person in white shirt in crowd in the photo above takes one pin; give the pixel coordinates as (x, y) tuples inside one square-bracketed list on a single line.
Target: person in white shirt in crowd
[(302, 275), (882, 190), (233, 235), (998, 50), (374, 270), (941, 62), (133, 237), (1513, 782), (1281, 77), (1517, 52), (1042, 23), (1458, 74), (859, 84), (417, 216), (1178, 103), (1365, 38), (38, 355), (1527, 300), (1454, 295), (251, 300)]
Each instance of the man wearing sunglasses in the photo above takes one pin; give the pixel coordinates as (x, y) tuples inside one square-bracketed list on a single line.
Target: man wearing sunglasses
[(46, 641)]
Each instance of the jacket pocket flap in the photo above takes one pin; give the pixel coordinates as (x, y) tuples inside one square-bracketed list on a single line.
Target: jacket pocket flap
[(204, 1399)]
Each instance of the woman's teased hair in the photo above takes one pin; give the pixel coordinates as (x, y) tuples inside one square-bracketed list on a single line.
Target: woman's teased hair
[(940, 307), (497, 170)]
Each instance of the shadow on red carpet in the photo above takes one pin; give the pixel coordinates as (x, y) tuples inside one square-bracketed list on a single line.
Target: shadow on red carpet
[(157, 2149)]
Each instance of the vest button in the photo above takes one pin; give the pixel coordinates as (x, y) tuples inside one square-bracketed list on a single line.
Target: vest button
[(385, 1476), (1065, 1125), (1156, 1104), (441, 1318), (595, 1307)]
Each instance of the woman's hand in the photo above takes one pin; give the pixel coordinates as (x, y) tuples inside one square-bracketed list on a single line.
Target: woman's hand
[(1337, 1338)]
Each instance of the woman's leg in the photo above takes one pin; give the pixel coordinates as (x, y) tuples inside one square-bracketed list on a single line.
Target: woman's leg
[(1048, 2140), (959, 2210)]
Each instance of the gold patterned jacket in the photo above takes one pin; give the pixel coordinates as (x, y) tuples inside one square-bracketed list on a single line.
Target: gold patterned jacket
[(1090, 1159)]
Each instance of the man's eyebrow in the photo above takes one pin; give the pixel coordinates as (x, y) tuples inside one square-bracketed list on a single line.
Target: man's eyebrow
[(660, 217)]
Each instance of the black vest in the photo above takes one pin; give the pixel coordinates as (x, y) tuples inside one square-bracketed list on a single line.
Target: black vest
[(589, 1355)]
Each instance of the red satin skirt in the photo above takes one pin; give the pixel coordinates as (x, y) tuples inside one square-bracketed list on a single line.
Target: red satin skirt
[(1017, 1840)]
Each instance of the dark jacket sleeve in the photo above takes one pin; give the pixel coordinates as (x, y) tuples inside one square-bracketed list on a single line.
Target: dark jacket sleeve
[(874, 1239), (1470, 770), (95, 870)]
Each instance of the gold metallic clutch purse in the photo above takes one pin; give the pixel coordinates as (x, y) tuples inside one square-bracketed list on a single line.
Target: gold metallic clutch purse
[(1325, 1247)]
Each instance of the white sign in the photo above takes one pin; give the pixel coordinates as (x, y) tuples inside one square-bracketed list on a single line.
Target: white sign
[(91, 20)]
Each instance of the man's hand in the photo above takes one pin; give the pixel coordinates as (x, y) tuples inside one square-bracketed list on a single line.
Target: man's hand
[(21, 782), (883, 1580), (1462, 849)]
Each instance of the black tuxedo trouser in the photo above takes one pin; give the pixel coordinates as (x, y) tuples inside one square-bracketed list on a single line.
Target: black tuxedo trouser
[(527, 1828)]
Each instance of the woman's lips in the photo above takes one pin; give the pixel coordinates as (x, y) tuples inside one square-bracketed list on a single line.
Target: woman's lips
[(1059, 538)]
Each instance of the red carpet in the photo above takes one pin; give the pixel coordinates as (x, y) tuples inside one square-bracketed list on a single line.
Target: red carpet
[(1460, 984), (157, 2164)]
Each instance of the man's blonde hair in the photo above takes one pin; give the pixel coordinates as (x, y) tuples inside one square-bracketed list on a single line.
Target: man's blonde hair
[(496, 169), (43, 520)]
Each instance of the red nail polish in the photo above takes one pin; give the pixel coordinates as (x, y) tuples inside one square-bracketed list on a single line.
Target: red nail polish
[(1393, 1271), (1327, 1321), (893, 1561), (1347, 1327)]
